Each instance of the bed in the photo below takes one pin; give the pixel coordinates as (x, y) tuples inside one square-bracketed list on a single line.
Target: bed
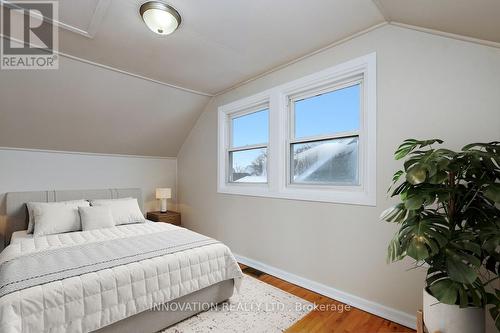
[(107, 280)]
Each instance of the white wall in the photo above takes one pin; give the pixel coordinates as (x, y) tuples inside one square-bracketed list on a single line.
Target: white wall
[(428, 86), (24, 170)]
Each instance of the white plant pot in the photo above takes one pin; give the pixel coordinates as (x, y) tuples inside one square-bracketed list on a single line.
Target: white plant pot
[(447, 318)]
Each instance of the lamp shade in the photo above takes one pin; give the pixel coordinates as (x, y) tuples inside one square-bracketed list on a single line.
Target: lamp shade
[(163, 193)]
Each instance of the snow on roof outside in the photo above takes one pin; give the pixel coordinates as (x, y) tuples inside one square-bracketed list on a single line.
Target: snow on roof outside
[(323, 152), (252, 179)]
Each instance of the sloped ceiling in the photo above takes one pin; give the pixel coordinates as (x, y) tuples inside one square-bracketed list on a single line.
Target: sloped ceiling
[(116, 89), (85, 108), (477, 19), (222, 42)]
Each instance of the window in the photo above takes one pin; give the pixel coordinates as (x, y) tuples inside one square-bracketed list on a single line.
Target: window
[(325, 135), (310, 139), (248, 149)]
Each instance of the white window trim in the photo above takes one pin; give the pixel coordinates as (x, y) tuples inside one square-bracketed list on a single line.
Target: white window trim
[(279, 133), (231, 149)]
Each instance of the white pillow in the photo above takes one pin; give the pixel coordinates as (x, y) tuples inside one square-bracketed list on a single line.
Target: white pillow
[(124, 211), (96, 217), (32, 205), (56, 219)]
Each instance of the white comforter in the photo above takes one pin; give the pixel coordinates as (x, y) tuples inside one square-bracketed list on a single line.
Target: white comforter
[(94, 300)]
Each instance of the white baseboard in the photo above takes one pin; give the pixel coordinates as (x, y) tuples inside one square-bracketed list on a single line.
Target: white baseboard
[(380, 310)]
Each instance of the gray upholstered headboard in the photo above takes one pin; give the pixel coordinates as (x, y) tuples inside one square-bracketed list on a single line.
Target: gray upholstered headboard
[(17, 213)]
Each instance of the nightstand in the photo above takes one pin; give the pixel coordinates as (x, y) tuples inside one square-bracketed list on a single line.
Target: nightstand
[(167, 217)]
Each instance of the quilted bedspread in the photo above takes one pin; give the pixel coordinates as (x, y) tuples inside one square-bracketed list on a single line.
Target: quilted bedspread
[(89, 301)]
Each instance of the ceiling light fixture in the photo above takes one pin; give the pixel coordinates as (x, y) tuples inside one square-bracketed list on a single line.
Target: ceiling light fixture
[(160, 17)]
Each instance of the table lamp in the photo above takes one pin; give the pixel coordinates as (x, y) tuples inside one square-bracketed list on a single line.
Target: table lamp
[(163, 194)]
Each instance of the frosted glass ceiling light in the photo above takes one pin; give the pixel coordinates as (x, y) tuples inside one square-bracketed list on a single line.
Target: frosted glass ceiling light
[(160, 17)]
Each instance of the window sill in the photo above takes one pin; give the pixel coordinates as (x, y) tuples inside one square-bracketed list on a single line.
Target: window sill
[(347, 195)]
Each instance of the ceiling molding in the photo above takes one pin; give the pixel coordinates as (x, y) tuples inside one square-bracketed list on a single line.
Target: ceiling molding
[(446, 34), (121, 71), (196, 92), (49, 151), (305, 56), (393, 23), (97, 17)]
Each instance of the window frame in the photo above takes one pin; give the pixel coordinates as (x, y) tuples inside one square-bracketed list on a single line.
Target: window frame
[(231, 149), (292, 139), (224, 143), (281, 134)]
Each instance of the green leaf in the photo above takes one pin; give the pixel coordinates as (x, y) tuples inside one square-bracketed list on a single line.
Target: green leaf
[(395, 179), (491, 145), (402, 188), (477, 299), (395, 213), (491, 243), (493, 192), (422, 237), (411, 162), (445, 291), (430, 142), (464, 299), (410, 144), (443, 196), (397, 175), (459, 271), (417, 249), (394, 250), (438, 178), (443, 162), (405, 148), (416, 174), (414, 202), (431, 168)]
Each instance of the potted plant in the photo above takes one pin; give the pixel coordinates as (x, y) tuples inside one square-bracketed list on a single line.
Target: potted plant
[(449, 222)]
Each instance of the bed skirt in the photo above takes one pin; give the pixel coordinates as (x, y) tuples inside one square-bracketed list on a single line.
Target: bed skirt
[(161, 318)]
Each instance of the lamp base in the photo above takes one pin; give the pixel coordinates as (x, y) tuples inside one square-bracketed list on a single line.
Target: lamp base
[(163, 208)]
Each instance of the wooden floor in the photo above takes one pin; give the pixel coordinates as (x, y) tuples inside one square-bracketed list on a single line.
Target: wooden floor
[(353, 321)]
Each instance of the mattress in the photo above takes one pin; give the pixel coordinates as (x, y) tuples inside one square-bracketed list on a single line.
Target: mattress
[(94, 300), (20, 234)]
